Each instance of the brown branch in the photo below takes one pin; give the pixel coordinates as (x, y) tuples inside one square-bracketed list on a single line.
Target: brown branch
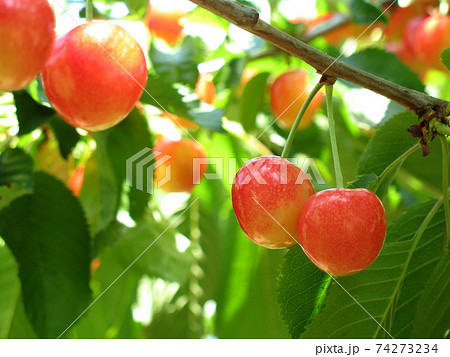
[(247, 18)]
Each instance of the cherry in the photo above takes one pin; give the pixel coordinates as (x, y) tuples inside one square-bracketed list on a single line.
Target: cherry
[(405, 50), (205, 88), (268, 193), (432, 36), (410, 34), (76, 180), (164, 20), (342, 230), (27, 32), (181, 171), (287, 95), (398, 20), (95, 75), (247, 74), (336, 36)]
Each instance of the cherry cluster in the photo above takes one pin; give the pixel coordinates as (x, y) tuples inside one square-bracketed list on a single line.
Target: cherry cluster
[(417, 34), (341, 230), (94, 75)]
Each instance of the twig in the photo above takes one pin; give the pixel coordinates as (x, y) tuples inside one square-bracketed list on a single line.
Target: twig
[(247, 18)]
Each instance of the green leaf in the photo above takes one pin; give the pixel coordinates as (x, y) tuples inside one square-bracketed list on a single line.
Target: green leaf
[(9, 290), (374, 60), (300, 290), (106, 170), (48, 235), (421, 266), (138, 202), (162, 258), (368, 181), (162, 94), (445, 57), (10, 193), (16, 167), (181, 65), (122, 142), (20, 325), (135, 5), (102, 321), (230, 74), (67, 135), (202, 16), (100, 193), (246, 303), (389, 142), (432, 319), (429, 168), (363, 12), (108, 236), (252, 99), (401, 229), (211, 120), (379, 289), (30, 114)]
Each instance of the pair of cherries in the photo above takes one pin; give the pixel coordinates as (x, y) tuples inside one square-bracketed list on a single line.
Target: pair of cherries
[(342, 231)]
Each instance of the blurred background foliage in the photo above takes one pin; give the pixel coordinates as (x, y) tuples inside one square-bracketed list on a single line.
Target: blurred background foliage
[(201, 277)]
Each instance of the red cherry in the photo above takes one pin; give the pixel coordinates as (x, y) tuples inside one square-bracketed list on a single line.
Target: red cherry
[(395, 29), (27, 32), (205, 88), (432, 36), (268, 193), (76, 180), (409, 36), (95, 75), (287, 95), (164, 20), (342, 230), (336, 36), (405, 50), (180, 170)]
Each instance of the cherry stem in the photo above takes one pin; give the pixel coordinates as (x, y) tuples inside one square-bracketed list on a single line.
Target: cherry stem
[(291, 136), (89, 10), (334, 147), (445, 183), (398, 161)]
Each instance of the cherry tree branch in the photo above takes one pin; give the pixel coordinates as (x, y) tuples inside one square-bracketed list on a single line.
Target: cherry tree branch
[(248, 19)]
